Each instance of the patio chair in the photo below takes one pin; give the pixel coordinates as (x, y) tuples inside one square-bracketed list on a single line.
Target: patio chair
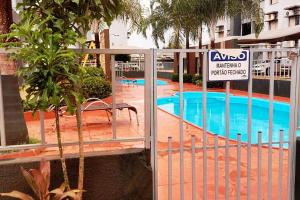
[(98, 104), (93, 104)]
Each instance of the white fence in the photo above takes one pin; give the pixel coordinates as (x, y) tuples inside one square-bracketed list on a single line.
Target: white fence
[(195, 154), (184, 153)]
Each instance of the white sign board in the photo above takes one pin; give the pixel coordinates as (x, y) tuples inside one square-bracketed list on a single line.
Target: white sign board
[(228, 64)]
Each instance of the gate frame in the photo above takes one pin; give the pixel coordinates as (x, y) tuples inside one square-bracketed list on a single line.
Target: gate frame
[(294, 113)]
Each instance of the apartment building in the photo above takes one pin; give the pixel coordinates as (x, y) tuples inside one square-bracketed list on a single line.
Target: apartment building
[(281, 27)]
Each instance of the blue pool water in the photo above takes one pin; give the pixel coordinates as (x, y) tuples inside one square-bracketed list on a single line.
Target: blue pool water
[(192, 109), (142, 82)]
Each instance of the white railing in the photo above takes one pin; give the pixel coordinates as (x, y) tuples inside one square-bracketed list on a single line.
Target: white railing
[(189, 145), (190, 149), (145, 138), (283, 68)]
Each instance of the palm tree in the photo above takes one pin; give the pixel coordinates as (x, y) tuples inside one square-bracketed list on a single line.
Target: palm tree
[(175, 15), (213, 10)]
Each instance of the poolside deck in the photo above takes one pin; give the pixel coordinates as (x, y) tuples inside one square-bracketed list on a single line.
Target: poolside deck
[(96, 126)]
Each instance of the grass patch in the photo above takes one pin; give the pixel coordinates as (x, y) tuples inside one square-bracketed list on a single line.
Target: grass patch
[(34, 141)]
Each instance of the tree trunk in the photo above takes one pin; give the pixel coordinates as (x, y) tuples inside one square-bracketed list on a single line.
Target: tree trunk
[(97, 44), (60, 148), (200, 60), (212, 28), (187, 46), (212, 44), (81, 150), (176, 63), (6, 17)]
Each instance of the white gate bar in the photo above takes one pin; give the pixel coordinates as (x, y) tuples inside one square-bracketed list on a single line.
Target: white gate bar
[(153, 114), (249, 128), (259, 166), (270, 145), (170, 168), (280, 170), (181, 136), (149, 83), (2, 122), (292, 130), (238, 181), (216, 152), (193, 168), (204, 92), (227, 119), (113, 80), (42, 127)]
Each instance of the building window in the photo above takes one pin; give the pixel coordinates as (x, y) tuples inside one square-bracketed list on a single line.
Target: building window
[(220, 31), (294, 17), (274, 1), (272, 19), (273, 25), (246, 28), (297, 21)]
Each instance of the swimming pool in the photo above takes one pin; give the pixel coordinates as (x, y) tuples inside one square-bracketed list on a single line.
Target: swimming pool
[(142, 82), (192, 109)]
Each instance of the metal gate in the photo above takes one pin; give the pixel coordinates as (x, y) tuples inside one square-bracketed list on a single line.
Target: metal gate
[(192, 161)]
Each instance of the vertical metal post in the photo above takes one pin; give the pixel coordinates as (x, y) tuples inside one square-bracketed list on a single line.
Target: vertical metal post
[(227, 120), (259, 167), (238, 181), (150, 100), (216, 156), (181, 136), (42, 127), (292, 131), (204, 92), (280, 170), (193, 168), (151, 112), (249, 126), (113, 80), (170, 168), (270, 145), (2, 122)]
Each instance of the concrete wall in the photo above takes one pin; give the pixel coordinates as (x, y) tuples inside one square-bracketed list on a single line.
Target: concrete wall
[(15, 127), (281, 88), (111, 177)]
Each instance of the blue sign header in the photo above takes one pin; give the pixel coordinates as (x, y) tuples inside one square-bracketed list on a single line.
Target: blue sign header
[(215, 56)]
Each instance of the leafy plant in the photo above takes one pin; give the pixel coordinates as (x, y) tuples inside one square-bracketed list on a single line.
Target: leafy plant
[(187, 78), (96, 87), (196, 78), (45, 31), (39, 182), (93, 72)]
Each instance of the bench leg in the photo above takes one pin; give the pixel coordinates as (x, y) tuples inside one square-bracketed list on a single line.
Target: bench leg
[(107, 114), (129, 114), (137, 119)]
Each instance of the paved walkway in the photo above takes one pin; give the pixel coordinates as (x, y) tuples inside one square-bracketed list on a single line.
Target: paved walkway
[(97, 126)]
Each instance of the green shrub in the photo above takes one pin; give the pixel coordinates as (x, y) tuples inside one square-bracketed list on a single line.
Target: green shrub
[(175, 77), (93, 72), (96, 87), (198, 83), (215, 84), (27, 106), (187, 78), (196, 78)]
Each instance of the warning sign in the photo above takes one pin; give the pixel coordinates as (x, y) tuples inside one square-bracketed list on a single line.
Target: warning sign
[(228, 64)]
